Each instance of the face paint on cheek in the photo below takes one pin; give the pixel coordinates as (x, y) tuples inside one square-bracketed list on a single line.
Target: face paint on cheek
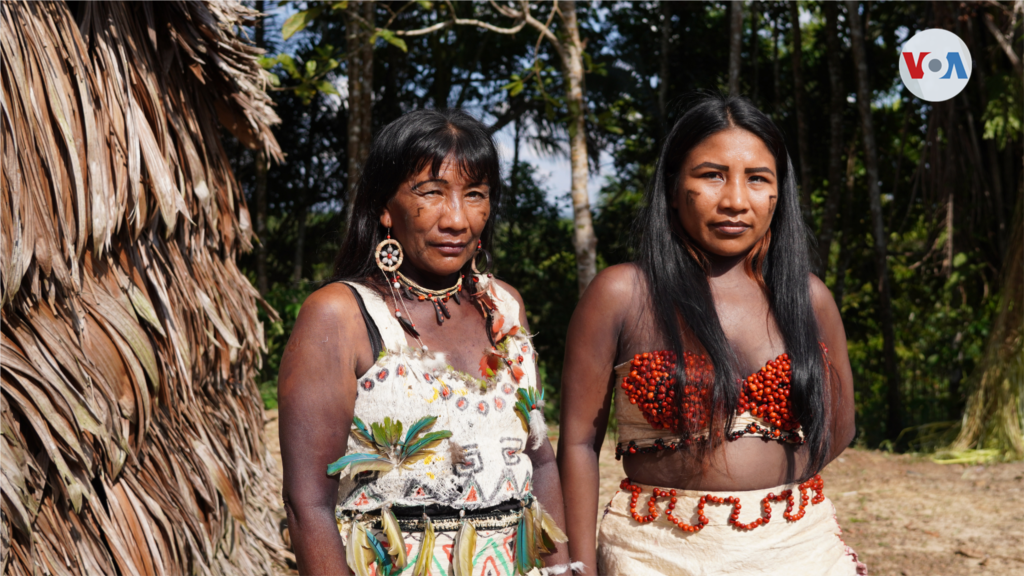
[(691, 197), (771, 206)]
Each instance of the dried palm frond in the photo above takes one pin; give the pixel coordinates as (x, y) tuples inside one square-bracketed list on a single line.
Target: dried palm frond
[(131, 429)]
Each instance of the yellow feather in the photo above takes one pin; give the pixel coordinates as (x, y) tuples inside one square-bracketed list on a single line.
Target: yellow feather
[(396, 541), (358, 553), (465, 546), (422, 566), (551, 528)]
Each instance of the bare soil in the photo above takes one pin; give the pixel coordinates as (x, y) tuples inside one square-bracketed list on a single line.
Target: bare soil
[(904, 515)]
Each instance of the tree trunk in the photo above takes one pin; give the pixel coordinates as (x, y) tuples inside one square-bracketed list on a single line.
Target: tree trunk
[(775, 69), (262, 283), (300, 241), (844, 229), (358, 29), (755, 44), (666, 47), (894, 421), (584, 239), (801, 122), (993, 418), (735, 45), (835, 154)]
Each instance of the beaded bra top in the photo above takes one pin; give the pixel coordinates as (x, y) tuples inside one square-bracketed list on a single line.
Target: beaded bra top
[(425, 433), (650, 419)]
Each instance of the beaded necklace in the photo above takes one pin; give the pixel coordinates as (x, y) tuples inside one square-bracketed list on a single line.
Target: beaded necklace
[(437, 298)]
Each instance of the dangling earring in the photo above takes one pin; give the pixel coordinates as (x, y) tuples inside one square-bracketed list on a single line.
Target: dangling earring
[(389, 257), (487, 259)]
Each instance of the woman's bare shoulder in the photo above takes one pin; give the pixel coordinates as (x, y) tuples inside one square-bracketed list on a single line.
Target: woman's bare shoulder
[(619, 285)]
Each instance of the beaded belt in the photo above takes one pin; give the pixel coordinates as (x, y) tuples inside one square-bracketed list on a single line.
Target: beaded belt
[(815, 483), (486, 519)]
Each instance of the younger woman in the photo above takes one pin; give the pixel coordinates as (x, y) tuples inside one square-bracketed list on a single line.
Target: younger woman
[(727, 361)]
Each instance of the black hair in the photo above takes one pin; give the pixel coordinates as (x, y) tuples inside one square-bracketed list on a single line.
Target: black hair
[(402, 149), (677, 282)]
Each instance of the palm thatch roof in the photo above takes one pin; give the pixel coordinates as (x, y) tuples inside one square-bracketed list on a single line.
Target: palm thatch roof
[(131, 430)]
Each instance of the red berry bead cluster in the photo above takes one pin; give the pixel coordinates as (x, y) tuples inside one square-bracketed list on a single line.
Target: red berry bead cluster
[(651, 385), (766, 394), (815, 483)]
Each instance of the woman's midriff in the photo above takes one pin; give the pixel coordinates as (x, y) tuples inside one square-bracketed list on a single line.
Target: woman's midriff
[(742, 464)]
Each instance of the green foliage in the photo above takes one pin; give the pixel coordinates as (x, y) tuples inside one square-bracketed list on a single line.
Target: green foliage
[(942, 309), (286, 300)]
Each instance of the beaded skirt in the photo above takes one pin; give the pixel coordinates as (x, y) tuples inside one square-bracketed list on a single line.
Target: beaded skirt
[(718, 533)]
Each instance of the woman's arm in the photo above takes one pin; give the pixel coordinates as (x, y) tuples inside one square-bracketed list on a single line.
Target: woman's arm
[(546, 485), (590, 350), (316, 394), (840, 377)]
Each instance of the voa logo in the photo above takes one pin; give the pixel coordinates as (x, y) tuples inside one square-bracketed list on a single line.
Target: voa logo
[(935, 65)]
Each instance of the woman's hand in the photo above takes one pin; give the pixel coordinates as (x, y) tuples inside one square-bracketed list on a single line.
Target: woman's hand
[(590, 350), (316, 394)]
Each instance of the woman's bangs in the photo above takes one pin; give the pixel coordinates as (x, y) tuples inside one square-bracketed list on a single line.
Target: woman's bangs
[(475, 162)]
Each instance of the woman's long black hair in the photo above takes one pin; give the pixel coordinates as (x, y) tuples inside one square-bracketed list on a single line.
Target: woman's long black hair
[(677, 283), (402, 149)]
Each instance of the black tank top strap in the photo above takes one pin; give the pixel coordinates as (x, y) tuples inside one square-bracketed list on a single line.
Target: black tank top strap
[(376, 342)]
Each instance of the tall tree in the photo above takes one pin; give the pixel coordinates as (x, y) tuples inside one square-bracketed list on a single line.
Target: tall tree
[(735, 45), (359, 29), (894, 421), (569, 49), (663, 61), (259, 37), (837, 102), (796, 53)]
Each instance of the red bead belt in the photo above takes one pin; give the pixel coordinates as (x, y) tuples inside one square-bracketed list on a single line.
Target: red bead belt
[(815, 483)]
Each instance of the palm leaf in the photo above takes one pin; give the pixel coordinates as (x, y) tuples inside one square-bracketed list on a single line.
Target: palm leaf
[(131, 339)]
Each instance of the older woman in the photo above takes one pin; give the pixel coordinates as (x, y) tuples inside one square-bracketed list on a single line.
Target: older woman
[(412, 378), (728, 364)]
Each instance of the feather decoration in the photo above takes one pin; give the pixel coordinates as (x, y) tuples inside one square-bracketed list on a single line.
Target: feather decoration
[(357, 553), (541, 542), (538, 429), (524, 553), (392, 449), (426, 555), (361, 431), (456, 454), (423, 424), (359, 462), (465, 547), (384, 567), (528, 407), (396, 541)]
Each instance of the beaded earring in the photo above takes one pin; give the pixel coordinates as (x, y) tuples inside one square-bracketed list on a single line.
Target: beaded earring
[(389, 257)]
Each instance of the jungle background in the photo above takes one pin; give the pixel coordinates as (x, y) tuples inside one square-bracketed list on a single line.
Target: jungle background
[(942, 182)]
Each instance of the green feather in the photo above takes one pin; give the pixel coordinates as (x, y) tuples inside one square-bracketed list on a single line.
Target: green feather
[(422, 424), (349, 459), (426, 441)]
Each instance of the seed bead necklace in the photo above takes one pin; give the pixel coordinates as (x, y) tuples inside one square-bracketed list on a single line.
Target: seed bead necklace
[(438, 298)]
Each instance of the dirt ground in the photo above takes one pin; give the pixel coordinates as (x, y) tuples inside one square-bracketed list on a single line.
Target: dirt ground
[(904, 515)]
